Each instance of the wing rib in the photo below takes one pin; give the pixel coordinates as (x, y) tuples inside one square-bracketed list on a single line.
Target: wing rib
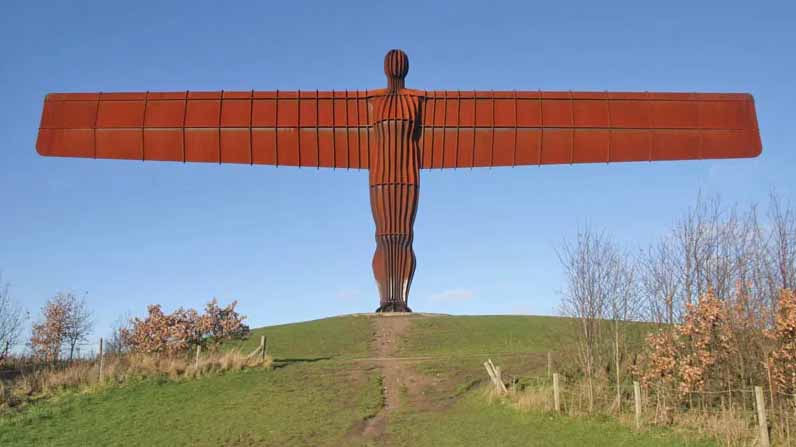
[(523, 128)]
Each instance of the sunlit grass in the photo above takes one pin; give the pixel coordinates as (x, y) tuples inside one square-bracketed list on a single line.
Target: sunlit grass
[(319, 393)]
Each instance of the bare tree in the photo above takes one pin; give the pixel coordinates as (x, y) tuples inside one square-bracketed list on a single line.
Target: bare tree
[(744, 261), (12, 319), (660, 282), (79, 322), (697, 239), (118, 342), (623, 300), (716, 277), (590, 268), (783, 243), (712, 247)]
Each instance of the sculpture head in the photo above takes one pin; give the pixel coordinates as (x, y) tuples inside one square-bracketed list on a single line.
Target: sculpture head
[(396, 67)]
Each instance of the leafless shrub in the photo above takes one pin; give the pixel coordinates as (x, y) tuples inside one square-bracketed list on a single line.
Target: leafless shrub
[(717, 285), (718, 247), (660, 282), (783, 243), (600, 290), (118, 343), (12, 319)]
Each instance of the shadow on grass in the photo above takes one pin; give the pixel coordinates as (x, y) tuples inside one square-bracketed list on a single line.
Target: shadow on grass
[(282, 362)]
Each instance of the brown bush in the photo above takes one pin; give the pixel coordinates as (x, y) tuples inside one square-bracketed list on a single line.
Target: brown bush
[(695, 355), (183, 329), (704, 345), (66, 322), (49, 335), (782, 359), (221, 323), (159, 332)]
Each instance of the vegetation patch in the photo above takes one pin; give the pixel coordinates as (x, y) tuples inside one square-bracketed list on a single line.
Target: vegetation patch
[(474, 421), (336, 337), (307, 404), (323, 391)]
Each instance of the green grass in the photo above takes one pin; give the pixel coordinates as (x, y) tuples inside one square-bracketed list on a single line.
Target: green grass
[(490, 335), (308, 404), (457, 346), (340, 337), (473, 421), (305, 401), (320, 395)]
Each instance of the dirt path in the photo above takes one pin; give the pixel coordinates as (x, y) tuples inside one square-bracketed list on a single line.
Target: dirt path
[(398, 377)]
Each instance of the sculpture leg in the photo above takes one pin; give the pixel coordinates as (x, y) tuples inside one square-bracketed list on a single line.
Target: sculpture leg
[(394, 208)]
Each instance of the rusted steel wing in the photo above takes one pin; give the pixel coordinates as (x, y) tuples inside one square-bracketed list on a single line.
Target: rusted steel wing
[(463, 129), (306, 128)]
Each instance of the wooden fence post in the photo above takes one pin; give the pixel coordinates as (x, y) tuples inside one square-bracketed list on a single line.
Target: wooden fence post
[(100, 359), (491, 374), (762, 420), (198, 351), (262, 348), (495, 375), (549, 363), (637, 396), (556, 394)]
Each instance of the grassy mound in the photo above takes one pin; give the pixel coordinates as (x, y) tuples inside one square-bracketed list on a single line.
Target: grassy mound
[(321, 391)]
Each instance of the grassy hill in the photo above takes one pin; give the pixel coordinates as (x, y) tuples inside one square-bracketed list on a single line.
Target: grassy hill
[(352, 380)]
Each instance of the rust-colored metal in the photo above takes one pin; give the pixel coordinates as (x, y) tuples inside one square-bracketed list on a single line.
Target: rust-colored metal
[(395, 132), (395, 186)]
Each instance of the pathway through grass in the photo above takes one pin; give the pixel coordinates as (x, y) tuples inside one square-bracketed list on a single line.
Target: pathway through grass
[(324, 394)]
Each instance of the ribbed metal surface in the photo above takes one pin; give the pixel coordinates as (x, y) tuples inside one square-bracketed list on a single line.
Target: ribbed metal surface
[(394, 191), (308, 128), (483, 129), (395, 132), (396, 67), (456, 129)]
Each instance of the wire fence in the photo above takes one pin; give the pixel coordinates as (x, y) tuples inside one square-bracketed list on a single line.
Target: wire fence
[(730, 416), (84, 349)]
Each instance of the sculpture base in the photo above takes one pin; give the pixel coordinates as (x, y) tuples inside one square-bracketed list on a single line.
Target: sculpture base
[(393, 307)]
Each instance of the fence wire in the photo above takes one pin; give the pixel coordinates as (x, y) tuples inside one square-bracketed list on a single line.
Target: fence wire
[(731, 416)]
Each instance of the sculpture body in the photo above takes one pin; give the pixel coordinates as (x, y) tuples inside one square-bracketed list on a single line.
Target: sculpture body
[(396, 132), (395, 187)]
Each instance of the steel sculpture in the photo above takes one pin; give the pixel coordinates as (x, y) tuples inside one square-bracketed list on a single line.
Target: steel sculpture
[(394, 133)]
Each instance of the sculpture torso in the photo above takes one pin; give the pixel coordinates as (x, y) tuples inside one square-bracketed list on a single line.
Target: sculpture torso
[(397, 156), (394, 187)]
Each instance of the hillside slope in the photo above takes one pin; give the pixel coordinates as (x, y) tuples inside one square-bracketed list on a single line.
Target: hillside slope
[(352, 380)]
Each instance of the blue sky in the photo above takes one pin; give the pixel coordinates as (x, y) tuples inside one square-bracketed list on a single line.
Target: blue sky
[(295, 244)]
